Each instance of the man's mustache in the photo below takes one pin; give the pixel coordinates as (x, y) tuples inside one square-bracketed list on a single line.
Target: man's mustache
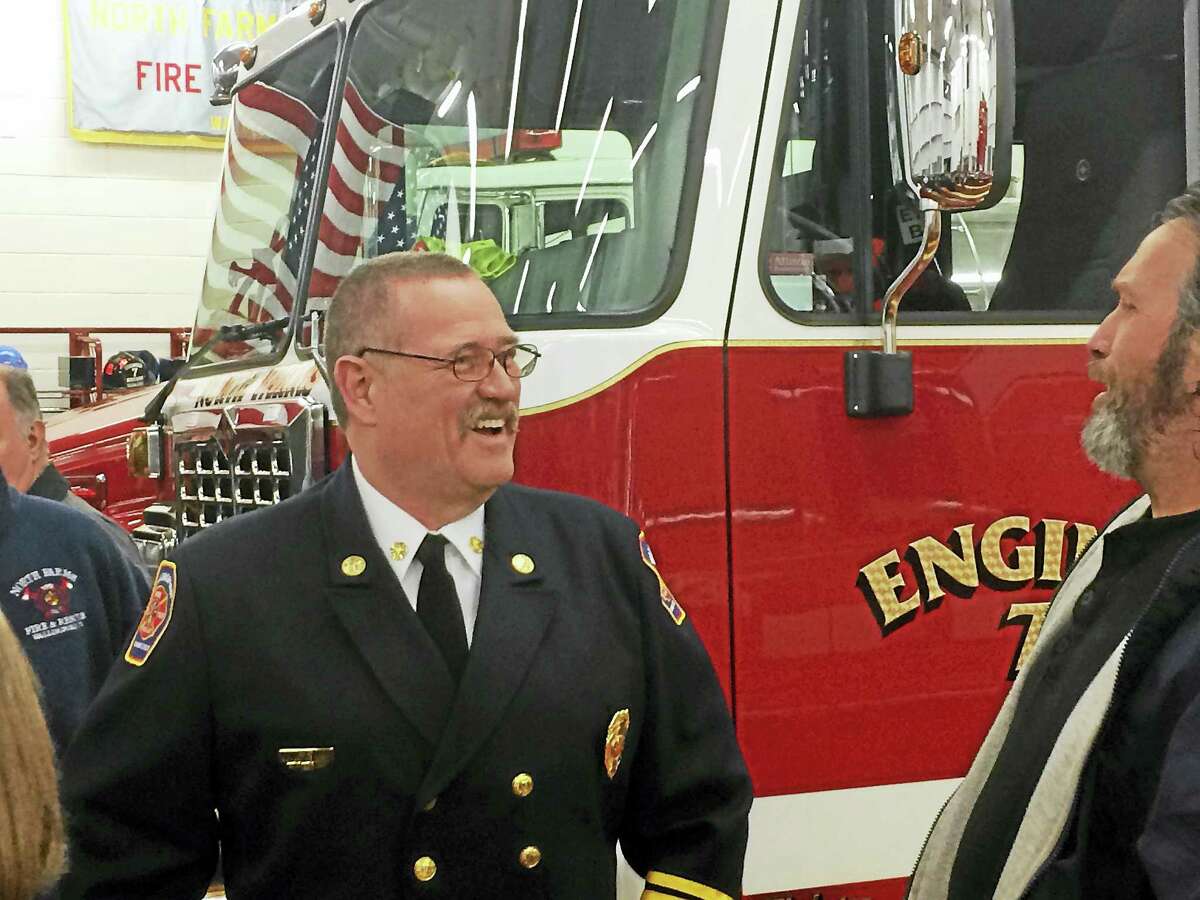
[(506, 412)]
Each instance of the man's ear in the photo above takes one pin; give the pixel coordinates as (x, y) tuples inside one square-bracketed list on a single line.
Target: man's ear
[(354, 377), (36, 439)]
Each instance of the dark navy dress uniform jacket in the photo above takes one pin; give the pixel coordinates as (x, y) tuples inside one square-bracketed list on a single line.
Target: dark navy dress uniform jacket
[(270, 646)]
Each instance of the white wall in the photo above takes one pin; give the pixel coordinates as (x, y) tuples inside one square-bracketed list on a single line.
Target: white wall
[(90, 234)]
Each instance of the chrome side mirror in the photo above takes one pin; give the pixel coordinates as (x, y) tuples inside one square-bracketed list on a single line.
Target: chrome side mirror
[(225, 64), (952, 59), (954, 77)]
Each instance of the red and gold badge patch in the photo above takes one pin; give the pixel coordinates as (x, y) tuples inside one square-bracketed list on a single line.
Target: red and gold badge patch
[(614, 742), (156, 618), (670, 604)]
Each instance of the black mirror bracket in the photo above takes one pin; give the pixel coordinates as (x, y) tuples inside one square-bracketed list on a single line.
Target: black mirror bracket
[(880, 382)]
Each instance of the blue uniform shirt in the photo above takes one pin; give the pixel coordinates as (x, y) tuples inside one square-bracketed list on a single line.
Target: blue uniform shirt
[(71, 598)]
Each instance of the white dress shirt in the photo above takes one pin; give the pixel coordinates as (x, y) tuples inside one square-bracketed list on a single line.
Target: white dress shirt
[(394, 529)]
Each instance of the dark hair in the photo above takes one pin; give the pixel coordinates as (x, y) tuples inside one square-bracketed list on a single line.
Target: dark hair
[(1169, 395), (1187, 207), (360, 302)]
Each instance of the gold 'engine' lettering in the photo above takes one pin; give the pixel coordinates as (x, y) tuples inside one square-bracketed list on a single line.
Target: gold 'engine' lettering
[(934, 556), (883, 583), (958, 566), (993, 556), (1032, 616), (1053, 533)]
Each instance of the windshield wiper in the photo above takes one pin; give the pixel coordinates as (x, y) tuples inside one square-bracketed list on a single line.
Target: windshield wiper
[(220, 336)]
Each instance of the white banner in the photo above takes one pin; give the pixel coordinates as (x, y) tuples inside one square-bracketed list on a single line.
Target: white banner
[(138, 71)]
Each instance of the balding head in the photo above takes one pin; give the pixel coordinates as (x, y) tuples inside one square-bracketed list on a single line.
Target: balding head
[(363, 303)]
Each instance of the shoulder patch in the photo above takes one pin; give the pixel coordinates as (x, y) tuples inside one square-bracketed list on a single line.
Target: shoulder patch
[(670, 604), (156, 618)]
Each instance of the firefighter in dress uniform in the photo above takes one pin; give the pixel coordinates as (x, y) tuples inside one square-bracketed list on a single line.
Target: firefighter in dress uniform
[(414, 679)]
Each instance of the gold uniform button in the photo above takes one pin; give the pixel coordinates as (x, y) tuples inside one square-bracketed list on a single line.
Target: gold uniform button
[(522, 785), (424, 868), (530, 857), (353, 566)]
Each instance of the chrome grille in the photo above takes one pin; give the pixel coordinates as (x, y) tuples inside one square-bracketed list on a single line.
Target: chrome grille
[(214, 485)]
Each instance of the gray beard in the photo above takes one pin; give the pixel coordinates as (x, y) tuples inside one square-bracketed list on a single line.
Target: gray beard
[(1113, 436), (1117, 433)]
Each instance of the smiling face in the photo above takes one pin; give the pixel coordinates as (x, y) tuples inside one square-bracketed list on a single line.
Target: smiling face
[(439, 442), (1144, 387)]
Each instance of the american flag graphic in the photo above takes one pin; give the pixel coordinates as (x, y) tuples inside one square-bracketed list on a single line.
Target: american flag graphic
[(266, 191), (366, 174)]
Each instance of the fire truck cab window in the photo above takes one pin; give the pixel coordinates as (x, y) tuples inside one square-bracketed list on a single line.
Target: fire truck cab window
[(1099, 146), (266, 193), (554, 146)]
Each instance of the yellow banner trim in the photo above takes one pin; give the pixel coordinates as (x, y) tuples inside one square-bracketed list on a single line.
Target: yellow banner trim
[(146, 138), (694, 888)]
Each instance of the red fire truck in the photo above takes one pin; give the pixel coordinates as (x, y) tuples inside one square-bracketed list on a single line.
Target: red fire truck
[(696, 210)]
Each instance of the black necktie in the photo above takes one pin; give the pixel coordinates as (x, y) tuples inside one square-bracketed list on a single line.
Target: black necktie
[(438, 607)]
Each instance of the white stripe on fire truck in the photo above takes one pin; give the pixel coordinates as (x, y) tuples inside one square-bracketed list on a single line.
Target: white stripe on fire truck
[(840, 837)]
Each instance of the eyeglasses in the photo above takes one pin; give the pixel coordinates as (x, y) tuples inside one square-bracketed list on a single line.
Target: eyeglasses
[(475, 363)]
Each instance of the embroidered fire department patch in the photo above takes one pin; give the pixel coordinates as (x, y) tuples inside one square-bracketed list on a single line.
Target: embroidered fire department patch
[(47, 591), (156, 618), (670, 604)]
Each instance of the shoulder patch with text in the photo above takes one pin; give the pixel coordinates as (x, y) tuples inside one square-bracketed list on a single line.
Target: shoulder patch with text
[(156, 618), (670, 604)]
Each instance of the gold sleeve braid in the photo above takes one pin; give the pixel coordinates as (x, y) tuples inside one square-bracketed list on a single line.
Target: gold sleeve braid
[(682, 886)]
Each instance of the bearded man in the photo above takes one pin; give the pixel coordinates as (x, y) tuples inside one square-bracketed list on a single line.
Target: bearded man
[(1088, 784)]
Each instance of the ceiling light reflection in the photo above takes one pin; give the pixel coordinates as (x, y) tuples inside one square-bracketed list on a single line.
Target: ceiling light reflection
[(562, 97), (642, 146), (688, 88), (473, 151), (587, 270), (516, 82), (587, 175), (444, 106), (521, 289)]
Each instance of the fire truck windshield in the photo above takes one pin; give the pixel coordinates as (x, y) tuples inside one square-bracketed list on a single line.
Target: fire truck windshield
[(263, 210), (550, 145)]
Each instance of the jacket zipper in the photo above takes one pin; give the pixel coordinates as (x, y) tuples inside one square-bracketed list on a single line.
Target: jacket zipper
[(1062, 835), (925, 843), (907, 893)]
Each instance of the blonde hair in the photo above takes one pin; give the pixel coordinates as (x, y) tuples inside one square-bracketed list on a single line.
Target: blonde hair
[(32, 846)]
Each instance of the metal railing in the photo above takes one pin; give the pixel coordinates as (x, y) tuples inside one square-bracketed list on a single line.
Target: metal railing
[(82, 342)]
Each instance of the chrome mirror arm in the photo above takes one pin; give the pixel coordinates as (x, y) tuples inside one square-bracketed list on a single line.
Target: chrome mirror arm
[(891, 300), (314, 347)]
